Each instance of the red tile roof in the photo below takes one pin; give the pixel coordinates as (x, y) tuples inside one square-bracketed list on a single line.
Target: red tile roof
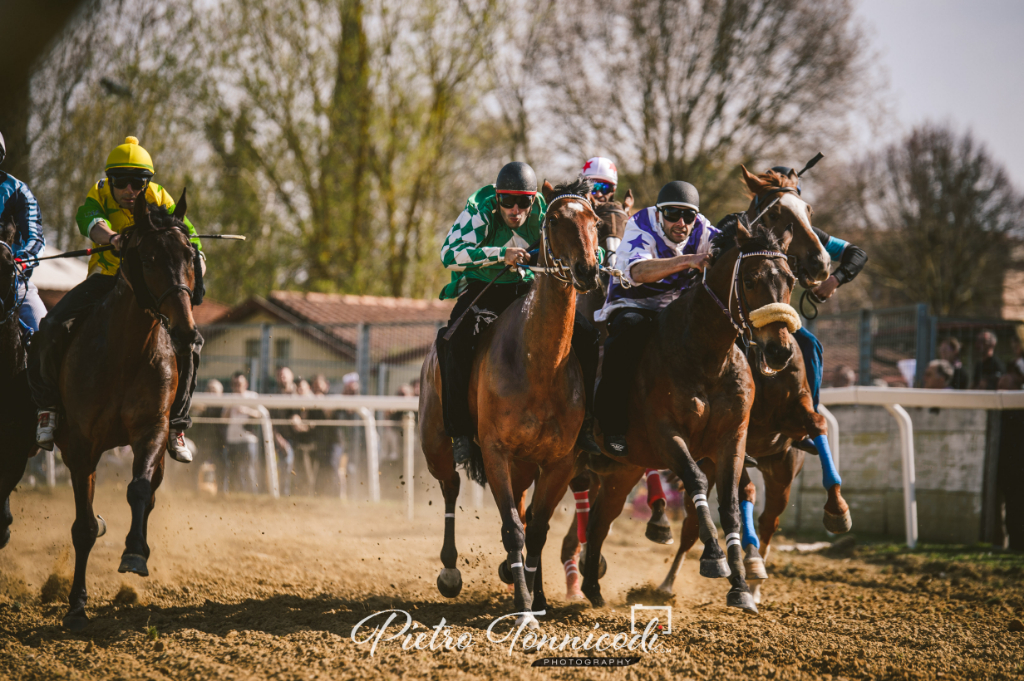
[(333, 308), (210, 311)]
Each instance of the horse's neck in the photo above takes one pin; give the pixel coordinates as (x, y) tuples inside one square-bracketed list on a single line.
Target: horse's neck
[(549, 309), (129, 324), (12, 358), (706, 332)]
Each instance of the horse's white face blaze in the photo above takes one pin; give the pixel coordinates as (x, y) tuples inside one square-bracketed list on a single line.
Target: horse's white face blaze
[(573, 236), (800, 211)]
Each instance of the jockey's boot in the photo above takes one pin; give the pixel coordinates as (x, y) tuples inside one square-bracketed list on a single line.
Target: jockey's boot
[(46, 426), (585, 440), (615, 444), (462, 449), (176, 447)]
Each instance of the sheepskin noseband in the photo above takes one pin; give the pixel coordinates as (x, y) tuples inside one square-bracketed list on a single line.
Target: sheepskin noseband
[(776, 312)]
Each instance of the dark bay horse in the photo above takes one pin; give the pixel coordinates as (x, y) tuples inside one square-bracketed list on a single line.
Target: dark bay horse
[(612, 217), (692, 398), (17, 413), (119, 377), (526, 394)]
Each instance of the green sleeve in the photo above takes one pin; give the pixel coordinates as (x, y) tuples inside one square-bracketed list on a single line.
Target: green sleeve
[(87, 214)]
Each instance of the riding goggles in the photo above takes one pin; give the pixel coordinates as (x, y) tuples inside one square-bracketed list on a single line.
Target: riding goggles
[(507, 201), (674, 213), (122, 182), (603, 188)]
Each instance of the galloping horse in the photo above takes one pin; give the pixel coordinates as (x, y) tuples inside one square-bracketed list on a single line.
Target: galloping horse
[(119, 377), (526, 393), (18, 443), (613, 217), (693, 394)]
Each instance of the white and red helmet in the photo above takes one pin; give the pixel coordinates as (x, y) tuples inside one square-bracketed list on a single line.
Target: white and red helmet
[(601, 169)]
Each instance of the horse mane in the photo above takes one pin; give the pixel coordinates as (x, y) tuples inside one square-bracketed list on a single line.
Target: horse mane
[(581, 186), (771, 180), (761, 239), (604, 210)]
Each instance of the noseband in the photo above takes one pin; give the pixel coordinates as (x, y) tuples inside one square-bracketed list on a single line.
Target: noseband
[(763, 315), (143, 296)]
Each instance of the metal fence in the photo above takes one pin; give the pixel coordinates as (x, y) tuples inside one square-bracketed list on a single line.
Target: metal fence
[(880, 345)]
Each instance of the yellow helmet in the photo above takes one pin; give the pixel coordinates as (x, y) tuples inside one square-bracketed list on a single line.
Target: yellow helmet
[(130, 159)]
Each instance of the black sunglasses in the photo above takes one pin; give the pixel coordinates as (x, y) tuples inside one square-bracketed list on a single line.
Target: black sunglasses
[(673, 214), (507, 201), (137, 183)]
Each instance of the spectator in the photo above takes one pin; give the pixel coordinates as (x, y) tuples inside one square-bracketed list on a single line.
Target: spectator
[(843, 377), (350, 439), (989, 368), (284, 435), (1010, 467), (949, 350), (209, 437), (1013, 379), (415, 385), (241, 452), (938, 375)]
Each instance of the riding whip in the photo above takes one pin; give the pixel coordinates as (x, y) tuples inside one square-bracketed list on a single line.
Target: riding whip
[(108, 247)]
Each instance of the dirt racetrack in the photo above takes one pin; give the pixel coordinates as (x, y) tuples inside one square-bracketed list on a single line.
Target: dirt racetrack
[(246, 587)]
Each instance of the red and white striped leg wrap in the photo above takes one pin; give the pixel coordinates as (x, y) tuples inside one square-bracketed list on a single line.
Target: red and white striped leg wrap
[(654, 490), (571, 568), (573, 580), (582, 514)]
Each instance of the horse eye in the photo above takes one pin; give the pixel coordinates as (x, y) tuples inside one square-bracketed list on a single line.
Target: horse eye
[(748, 282)]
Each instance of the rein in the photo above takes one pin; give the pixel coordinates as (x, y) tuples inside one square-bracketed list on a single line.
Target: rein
[(745, 327), (144, 297)]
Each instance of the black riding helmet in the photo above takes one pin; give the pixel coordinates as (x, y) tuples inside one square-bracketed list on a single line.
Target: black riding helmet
[(786, 170), (516, 178), (679, 193)]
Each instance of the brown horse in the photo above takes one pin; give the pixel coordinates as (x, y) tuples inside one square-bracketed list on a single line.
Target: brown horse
[(613, 217), (692, 397), (18, 443), (119, 377), (526, 394)]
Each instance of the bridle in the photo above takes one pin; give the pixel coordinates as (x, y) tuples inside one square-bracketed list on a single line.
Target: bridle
[(745, 328), (19, 277), (131, 270)]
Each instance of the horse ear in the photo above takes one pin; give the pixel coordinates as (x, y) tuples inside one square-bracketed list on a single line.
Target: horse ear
[(628, 201), (742, 228), (140, 212), (753, 182), (180, 206), (548, 190)]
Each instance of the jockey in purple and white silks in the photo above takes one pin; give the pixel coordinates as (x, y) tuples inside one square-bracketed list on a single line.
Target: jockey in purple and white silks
[(664, 249)]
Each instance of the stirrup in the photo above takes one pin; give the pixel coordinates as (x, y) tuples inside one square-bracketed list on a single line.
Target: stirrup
[(46, 426)]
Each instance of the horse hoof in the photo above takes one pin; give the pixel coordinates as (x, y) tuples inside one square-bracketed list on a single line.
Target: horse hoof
[(742, 600), (75, 621), (5, 538), (505, 572), (133, 562), (659, 534), (602, 567), (665, 588), (576, 595), (714, 568), (755, 568), (595, 597), (449, 582), (530, 621), (102, 526), (837, 524)]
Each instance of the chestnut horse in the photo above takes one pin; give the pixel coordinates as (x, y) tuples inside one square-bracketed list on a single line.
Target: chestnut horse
[(693, 394), (119, 377), (526, 393), (18, 442)]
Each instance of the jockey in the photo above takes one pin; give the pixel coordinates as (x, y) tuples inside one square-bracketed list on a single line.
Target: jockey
[(106, 213), (604, 176), (18, 205), (500, 222), (664, 245)]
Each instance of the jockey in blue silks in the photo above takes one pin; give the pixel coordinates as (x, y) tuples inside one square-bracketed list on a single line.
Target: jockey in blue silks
[(17, 203)]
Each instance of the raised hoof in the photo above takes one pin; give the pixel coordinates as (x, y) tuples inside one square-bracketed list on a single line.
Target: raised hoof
[(5, 537), (505, 573), (133, 562), (713, 568), (837, 524), (530, 620), (755, 568), (449, 582), (75, 621), (659, 534), (665, 588), (102, 530), (601, 569), (742, 600)]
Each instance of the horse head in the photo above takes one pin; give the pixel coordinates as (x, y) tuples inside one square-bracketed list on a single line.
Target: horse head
[(790, 221), (162, 268), (751, 267), (613, 217), (8, 268), (570, 234)]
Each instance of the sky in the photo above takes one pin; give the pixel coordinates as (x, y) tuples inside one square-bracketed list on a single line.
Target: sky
[(958, 62)]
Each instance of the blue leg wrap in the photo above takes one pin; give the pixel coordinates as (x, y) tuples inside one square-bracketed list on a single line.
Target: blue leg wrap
[(810, 348), (829, 474), (747, 512)]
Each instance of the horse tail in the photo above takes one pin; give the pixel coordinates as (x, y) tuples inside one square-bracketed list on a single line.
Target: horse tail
[(475, 466)]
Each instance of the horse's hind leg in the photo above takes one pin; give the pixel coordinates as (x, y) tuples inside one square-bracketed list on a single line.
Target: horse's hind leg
[(576, 535), (9, 478), (449, 582), (778, 482), (712, 560), (689, 532), (609, 499), (730, 470), (83, 532), (147, 473)]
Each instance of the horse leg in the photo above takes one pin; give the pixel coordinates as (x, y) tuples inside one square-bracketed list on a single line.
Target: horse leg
[(551, 485), (712, 560), (608, 502), (752, 561), (84, 531), (778, 482), (513, 534), (449, 581), (576, 536), (9, 479), (689, 532), (147, 472), (730, 469), (658, 529)]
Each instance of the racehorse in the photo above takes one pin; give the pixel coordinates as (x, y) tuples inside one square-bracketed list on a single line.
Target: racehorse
[(526, 394), (613, 217), (119, 377), (18, 442), (693, 394)]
